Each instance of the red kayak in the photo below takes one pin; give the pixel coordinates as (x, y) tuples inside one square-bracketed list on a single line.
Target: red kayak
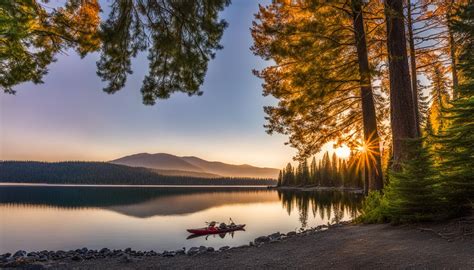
[(216, 230)]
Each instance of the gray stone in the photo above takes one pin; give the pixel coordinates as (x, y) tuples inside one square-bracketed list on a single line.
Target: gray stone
[(77, 258), (224, 248), (275, 235), (127, 250), (262, 239), (210, 249), (19, 253), (43, 258), (6, 255), (193, 251), (105, 250), (290, 234), (180, 251), (168, 253)]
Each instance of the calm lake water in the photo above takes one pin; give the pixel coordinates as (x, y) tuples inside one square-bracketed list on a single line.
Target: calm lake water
[(156, 218)]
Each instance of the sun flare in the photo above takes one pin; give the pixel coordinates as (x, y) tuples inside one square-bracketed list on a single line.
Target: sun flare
[(343, 151)]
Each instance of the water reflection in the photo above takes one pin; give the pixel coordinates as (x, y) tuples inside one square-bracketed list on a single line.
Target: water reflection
[(329, 205), (144, 218), (137, 202)]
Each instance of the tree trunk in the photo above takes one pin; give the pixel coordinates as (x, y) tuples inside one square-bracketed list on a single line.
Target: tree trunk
[(374, 172), (414, 81), (452, 50), (402, 112)]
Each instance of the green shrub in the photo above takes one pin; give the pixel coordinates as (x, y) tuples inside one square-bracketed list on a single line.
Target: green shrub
[(373, 208)]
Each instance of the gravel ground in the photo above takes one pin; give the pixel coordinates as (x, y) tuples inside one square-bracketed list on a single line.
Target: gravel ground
[(425, 246)]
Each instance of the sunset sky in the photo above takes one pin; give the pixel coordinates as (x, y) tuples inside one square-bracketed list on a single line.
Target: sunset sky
[(69, 117)]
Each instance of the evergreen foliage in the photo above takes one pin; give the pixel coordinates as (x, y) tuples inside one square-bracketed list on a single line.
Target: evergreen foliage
[(328, 172), (104, 173), (31, 35), (412, 193), (457, 140), (180, 36)]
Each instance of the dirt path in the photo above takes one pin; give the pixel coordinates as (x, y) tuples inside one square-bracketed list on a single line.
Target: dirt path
[(344, 247)]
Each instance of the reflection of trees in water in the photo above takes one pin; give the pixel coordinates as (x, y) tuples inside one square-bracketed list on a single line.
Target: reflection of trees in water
[(329, 205), (87, 197)]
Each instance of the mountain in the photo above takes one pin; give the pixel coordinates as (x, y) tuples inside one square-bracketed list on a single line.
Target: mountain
[(190, 164), (230, 170), (160, 161), (185, 173)]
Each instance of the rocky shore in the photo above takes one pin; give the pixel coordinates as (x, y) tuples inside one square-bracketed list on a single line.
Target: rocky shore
[(447, 245), (45, 258)]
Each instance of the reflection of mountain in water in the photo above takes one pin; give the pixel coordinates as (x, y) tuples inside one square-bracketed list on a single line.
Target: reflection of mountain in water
[(191, 203), (135, 201)]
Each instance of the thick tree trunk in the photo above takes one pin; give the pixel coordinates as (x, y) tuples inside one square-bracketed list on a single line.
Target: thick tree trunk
[(374, 171), (402, 112), (414, 81)]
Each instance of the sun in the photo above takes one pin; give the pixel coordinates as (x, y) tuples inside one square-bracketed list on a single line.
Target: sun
[(343, 151)]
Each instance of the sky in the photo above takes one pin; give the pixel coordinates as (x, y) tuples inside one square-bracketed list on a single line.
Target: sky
[(69, 117)]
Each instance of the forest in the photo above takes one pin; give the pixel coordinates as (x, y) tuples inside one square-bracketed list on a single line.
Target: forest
[(102, 173), (327, 172), (392, 79)]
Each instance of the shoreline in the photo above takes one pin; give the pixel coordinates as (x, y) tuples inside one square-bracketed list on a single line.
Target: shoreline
[(337, 246)]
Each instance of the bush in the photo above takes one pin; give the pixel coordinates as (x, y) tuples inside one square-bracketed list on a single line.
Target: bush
[(373, 208)]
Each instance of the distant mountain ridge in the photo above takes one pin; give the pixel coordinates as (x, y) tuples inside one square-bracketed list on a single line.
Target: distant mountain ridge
[(191, 165)]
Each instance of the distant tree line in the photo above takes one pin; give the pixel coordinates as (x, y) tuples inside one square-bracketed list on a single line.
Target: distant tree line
[(105, 174), (327, 172)]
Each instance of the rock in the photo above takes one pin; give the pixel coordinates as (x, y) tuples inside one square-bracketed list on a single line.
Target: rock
[(210, 249), (19, 253), (32, 254), (43, 258), (89, 257), (224, 248), (275, 235), (105, 250), (168, 253), (251, 244), (77, 258), (290, 234), (150, 253), (6, 255), (84, 250), (193, 251), (180, 251), (127, 250), (262, 239)]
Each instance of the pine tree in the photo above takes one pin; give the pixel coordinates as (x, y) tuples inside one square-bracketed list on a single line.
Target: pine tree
[(411, 194), (457, 141), (280, 178)]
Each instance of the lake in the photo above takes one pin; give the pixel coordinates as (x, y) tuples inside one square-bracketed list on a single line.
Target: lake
[(35, 218)]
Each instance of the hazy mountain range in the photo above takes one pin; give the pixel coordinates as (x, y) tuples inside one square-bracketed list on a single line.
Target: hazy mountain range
[(168, 164)]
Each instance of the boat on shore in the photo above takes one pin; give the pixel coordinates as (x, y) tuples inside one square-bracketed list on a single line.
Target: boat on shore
[(216, 230)]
